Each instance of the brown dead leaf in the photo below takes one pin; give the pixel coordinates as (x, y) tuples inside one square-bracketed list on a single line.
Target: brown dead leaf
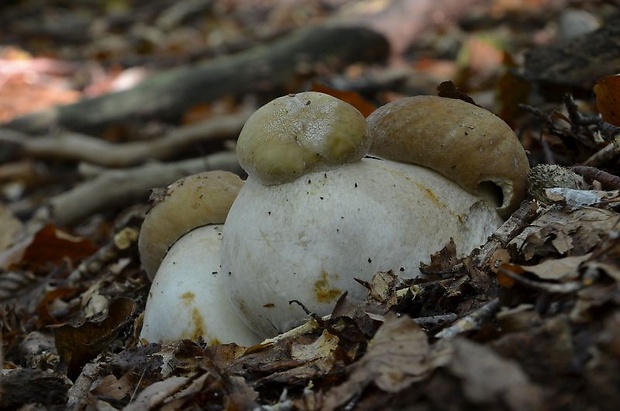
[(444, 261), (505, 281), (21, 387), (543, 347), (78, 345), (607, 90), (51, 245), (222, 355), (397, 356), (112, 388)]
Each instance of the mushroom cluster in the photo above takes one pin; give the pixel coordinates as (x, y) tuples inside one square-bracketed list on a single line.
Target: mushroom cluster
[(317, 212), (179, 246)]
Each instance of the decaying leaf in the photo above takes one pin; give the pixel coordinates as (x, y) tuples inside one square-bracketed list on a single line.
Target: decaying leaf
[(20, 387), (444, 261), (51, 245), (607, 90), (560, 233), (78, 345)]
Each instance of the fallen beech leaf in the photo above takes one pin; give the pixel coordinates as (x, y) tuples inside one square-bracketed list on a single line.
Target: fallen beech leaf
[(51, 245), (607, 90), (112, 388), (78, 345)]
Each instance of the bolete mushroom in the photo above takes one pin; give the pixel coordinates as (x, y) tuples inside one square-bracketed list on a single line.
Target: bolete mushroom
[(462, 141), (179, 247), (314, 214)]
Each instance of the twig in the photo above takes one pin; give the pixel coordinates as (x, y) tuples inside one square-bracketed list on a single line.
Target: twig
[(120, 188), (604, 155), (472, 321), (79, 147), (609, 181), (512, 227), (435, 319)]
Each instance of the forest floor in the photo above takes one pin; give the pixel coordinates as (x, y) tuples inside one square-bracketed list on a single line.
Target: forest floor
[(95, 93)]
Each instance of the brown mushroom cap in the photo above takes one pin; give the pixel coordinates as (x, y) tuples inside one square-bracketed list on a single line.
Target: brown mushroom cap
[(464, 142), (193, 201)]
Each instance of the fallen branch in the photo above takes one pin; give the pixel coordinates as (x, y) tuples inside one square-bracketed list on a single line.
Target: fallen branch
[(78, 147), (121, 188), (471, 321)]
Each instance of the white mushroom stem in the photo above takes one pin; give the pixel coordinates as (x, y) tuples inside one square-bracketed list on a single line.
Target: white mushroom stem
[(188, 299), (309, 239)]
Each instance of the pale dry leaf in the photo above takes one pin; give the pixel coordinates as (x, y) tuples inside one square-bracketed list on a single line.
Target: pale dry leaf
[(112, 388), (397, 356), (323, 346), (561, 269), (156, 393), (11, 227), (488, 378)]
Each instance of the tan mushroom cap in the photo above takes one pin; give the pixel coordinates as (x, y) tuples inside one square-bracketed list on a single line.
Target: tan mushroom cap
[(298, 133), (193, 201), (464, 142)]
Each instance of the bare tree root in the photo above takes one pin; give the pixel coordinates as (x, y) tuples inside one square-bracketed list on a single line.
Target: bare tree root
[(79, 147), (120, 188)]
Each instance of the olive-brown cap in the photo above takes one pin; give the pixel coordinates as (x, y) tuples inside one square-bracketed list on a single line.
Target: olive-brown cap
[(299, 133), (464, 142), (193, 201)]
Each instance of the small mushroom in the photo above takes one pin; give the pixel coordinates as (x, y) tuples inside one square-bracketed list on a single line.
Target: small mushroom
[(300, 133), (179, 245), (305, 232)]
